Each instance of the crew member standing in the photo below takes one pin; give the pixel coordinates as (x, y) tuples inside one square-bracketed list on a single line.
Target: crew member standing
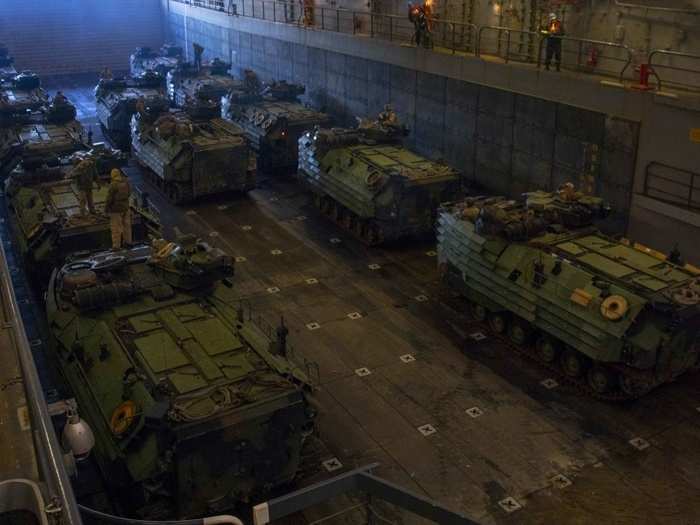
[(554, 31), (117, 207), (60, 98), (85, 174), (388, 117), (198, 50)]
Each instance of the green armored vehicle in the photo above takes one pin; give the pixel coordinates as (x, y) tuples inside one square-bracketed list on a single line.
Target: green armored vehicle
[(10, 149), (366, 182), (119, 99), (273, 121), (144, 60), (615, 318), (43, 142), (193, 407), (41, 137), (199, 90), (19, 96), (45, 212), (188, 159)]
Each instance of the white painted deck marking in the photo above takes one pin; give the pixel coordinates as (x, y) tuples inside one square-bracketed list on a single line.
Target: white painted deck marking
[(427, 430), (561, 481), (332, 464), (510, 504), (549, 383), (474, 412), (639, 443)]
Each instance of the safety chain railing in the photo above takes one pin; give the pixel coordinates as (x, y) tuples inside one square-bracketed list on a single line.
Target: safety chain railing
[(672, 185), (310, 368), (584, 55)]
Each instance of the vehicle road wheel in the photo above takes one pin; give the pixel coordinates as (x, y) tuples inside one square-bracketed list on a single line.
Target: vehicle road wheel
[(519, 332), (573, 363), (632, 386), (601, 379), (498, 322), (547, 349), (479, 313)]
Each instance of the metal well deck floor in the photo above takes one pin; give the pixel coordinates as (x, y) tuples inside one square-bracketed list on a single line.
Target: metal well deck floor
[(374, 403)]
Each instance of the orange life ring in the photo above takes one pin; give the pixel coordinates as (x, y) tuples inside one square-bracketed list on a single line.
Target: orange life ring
[(123, 417)]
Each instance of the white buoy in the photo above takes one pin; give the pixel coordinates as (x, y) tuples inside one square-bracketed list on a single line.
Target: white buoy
[(78, 437)]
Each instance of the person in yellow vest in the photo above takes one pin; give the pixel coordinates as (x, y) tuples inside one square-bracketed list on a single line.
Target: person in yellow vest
[(117, 207), (85, 175)]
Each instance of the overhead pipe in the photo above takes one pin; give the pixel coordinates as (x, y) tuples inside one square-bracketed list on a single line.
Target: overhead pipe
[(684, 10)]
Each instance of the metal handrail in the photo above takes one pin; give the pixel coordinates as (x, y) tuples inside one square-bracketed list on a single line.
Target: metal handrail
[(508, 32), (398, 28), (677, 54), (601, 43), (685, 197), (357, 480), (48, 450)]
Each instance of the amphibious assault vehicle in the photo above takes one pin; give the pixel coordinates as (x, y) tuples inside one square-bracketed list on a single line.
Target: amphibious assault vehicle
[(188, 159), (199, 90), (614, 317), (193, 406), (46, 217), (370, 185), (118, 100), (19, 96), (273, 121), (40, 137), (144, 60)]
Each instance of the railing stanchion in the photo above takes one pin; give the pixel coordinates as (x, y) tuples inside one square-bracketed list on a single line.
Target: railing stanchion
[(690, 191), (580, 55), (371, 25), (337, 20), (391, 29), (274, 10), (454, 43), (253, 4), (263, 9), (354, 23), (323, 24), (507, 46)]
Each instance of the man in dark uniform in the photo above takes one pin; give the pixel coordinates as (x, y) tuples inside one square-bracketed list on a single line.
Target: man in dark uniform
[(198, 51), (60, 98), (554, 31), (85, 175)]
